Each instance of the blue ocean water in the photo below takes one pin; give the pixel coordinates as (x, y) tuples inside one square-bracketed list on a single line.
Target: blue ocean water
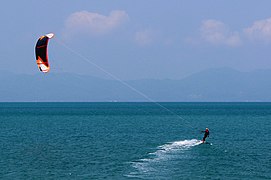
[(135, 141)]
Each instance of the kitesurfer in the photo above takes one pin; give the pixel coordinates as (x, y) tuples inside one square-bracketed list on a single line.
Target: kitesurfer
[(206, 134)]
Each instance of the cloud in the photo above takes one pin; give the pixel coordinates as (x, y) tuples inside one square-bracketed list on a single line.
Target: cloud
[(93, 23), (145, 37), (260, 30), (217, 33)]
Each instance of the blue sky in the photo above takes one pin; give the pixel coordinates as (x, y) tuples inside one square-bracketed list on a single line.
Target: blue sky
[(155, 39)]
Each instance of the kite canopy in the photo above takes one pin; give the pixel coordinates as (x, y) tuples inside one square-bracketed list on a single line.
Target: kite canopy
[(41, 52)]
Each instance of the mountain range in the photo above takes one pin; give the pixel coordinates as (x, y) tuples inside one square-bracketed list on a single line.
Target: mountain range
[(212, 85)]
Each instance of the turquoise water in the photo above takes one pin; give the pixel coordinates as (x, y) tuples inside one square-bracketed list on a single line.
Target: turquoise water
[(135, 141)]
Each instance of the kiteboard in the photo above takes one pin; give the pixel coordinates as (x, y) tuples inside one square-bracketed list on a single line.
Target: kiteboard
[(205, 142)]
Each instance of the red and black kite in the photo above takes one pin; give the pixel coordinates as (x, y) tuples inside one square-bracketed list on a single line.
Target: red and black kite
[(42, 54)]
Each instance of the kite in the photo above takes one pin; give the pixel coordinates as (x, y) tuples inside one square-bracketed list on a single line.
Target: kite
[(42, 54)]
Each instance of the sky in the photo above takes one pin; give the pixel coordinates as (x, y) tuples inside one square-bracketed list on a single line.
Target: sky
[(142, 39)]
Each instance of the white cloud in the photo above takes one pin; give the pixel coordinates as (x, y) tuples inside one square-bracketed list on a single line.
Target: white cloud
[(216, 32), (144, 37), (93, 23), (260, 30)]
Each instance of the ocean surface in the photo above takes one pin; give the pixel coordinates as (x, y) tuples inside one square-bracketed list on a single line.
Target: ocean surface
[(135, 141)]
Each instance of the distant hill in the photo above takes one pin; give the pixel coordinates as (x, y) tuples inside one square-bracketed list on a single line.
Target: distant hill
[(215, 85)]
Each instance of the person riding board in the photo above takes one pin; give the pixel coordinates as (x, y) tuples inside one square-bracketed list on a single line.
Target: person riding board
[(206, 134)]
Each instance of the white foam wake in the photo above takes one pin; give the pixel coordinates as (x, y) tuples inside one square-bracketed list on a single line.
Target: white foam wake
[(164, 154), (180, 145)]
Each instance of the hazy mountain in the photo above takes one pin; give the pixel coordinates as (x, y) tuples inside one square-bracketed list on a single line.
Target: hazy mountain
[(222, 84)]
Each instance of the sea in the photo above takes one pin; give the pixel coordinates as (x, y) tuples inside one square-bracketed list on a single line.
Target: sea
[(136, 140)]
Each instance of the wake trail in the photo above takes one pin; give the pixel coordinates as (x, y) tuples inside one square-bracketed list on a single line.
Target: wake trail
[(161, 158), (179, 145)]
